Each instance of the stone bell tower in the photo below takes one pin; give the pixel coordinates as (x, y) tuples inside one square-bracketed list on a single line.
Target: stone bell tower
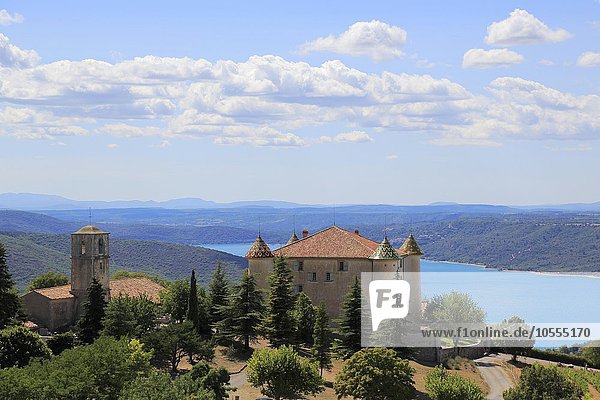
[(90, 259)]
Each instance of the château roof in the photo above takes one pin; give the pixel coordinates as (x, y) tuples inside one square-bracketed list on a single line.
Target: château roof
[(384, 251), (293, 239), (259, 249), (130, 287), (89, 230), (333, 242), (410, 247)]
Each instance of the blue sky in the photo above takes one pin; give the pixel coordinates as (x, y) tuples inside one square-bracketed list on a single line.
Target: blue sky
[(348, 102)]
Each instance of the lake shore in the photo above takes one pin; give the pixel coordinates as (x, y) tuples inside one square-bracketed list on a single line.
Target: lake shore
[(591, 274)]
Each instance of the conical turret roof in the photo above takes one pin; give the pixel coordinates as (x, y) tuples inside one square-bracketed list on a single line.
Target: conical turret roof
[(384, 251), (293, 239), (410, 247), (259, 249)]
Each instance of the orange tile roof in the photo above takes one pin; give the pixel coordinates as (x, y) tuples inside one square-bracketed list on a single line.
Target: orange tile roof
[(56, 292), (333, 242), (131, 287)]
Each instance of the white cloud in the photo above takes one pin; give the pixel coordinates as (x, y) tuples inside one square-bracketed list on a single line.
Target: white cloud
[(112, 146), (268, 101), (392, 157), (589, 59), (163, 144), (347, 137), (523, 28), (8, 19), (12, 56), (479, 58), (546, 62), (375, 39), (577, 148)]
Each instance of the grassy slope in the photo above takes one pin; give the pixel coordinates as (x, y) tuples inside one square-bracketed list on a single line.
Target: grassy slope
[(30, 254)]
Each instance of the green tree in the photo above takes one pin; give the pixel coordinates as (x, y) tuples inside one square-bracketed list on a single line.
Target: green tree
[(48, 279), (90, 323), (18, 346), (193, 314), (592, 353), (282, 374), (454, 307), (244, 314), (279, 323), (215, 380), (514, 346), (98, 371), (130, 316), (322, 339), (543, 383), (174, 299), (444, 385), (375, 374), (160, 386), (172, 342), (218, 296), (61, 342), (348, 341), (10, 303), (304, 318)]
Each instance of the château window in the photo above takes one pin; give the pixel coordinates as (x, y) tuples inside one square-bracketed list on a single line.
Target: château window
[(328, 277), (82, 247), (343, 265), (300, 289), (299, 265), (312, 276), (101, 246)]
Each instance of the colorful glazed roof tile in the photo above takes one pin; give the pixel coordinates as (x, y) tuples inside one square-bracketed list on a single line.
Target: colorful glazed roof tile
[(89, 230), (259, 249), (293, 239), (410, 247), (130, 287), (384, 251), (333, 242)]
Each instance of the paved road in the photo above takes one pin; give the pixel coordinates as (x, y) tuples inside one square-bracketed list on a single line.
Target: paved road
[(494, 376), (239, 379)]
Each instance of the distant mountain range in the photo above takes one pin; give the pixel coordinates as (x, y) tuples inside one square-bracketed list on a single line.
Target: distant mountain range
[(31, 201), (36, 202)]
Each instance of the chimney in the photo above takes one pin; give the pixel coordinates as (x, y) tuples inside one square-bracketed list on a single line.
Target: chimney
[(304, 233), (357, 232)]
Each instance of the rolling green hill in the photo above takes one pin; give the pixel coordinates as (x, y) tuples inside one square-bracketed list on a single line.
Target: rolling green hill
[(30, 254)]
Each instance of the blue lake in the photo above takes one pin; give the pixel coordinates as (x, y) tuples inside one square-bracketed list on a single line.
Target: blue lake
[(534, 297)]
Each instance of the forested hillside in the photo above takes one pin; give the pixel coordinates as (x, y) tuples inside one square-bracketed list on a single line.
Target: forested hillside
[(30, 254)]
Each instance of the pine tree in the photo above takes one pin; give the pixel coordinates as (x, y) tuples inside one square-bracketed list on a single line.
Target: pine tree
[(350, 323), (192, 312), (218, 296), (245, 312), (304, 318), (322, 339), (10, 303), (90, 323), (279, 322)]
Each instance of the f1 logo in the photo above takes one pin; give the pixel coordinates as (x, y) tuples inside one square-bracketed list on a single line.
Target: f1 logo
[(389, 299)]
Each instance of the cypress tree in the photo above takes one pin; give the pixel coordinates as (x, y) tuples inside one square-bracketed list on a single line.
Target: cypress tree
[(349, 330), (90, 323), (304, 318), (218, 290), (322, 339), (245, 312), (279, 322), (10, 303), (192, 311)]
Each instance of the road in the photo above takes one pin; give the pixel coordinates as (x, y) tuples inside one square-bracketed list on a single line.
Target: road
[(494, 376)]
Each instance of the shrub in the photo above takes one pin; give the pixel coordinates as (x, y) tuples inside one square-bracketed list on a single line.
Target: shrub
[(442, 384)]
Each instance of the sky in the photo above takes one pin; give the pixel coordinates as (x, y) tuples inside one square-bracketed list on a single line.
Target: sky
[(399, 102)]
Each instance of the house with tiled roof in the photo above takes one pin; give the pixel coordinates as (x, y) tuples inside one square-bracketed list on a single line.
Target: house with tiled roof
[(59, 307), (325, 263)]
